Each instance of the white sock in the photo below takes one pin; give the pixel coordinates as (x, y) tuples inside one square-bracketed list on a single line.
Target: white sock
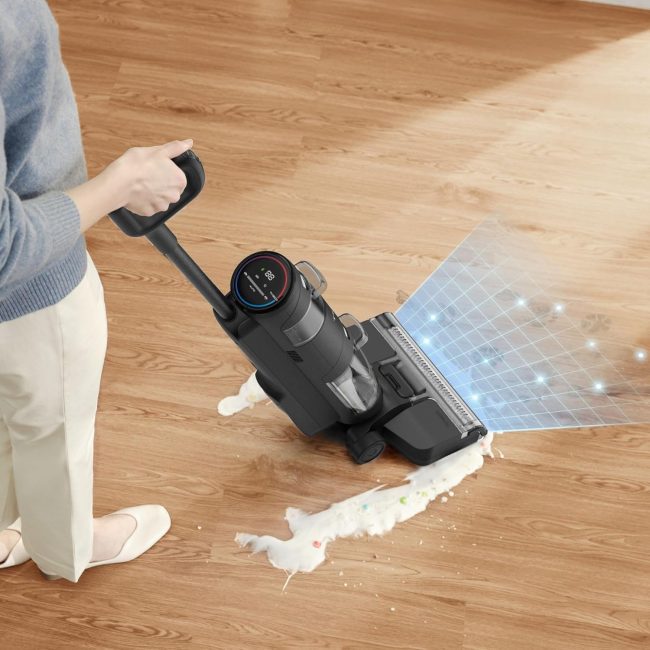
[(8, 539), (111, 533)]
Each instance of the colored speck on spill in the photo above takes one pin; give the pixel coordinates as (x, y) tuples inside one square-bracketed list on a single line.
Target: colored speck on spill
[(402, 500), (316, 544), (364, 506)]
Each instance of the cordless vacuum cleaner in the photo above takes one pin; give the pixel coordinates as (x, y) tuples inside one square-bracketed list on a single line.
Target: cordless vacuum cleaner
[(369, 380)]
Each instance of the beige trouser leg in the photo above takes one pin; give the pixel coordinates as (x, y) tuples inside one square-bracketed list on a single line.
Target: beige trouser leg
[(50, 368), (8, 505)]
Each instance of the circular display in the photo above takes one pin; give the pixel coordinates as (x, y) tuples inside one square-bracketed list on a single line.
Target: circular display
[(261, 281)]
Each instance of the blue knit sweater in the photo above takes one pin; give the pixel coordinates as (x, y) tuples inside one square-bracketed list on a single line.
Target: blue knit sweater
[(42, 253)]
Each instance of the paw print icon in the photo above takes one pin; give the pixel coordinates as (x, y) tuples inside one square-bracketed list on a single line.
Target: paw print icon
[(593, 323)]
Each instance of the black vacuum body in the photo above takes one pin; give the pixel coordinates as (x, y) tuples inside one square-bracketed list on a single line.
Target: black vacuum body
[(369, 380)]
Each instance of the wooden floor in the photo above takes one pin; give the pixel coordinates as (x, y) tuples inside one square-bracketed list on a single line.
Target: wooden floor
[(369, 136)]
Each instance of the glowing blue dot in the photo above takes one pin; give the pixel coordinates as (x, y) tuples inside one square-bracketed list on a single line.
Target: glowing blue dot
[(486, 360), (640, 355), (521, 302), (426, 340), (599, 386), (540, 379), (591, 344), (433, 317), (559, 308), (475, 397)]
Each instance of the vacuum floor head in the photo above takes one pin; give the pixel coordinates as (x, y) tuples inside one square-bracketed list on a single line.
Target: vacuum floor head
[(421, 414)]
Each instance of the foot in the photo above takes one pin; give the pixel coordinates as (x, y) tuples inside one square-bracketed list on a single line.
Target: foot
[(111, 533), (8, 539), (126, 534)]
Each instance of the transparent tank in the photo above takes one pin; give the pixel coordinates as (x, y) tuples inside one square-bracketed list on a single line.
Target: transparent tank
[(356, 387)]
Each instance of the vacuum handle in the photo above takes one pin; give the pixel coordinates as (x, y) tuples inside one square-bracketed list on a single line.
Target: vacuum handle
[(135, 225), (165, 241)]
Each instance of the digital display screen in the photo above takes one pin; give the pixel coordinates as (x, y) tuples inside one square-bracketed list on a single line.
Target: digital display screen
[(261, 281)]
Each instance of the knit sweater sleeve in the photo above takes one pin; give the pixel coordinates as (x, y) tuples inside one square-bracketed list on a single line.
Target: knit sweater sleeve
[(35, 232)]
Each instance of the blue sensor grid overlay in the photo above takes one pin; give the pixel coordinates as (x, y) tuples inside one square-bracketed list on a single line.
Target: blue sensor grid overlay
[(520, 355)]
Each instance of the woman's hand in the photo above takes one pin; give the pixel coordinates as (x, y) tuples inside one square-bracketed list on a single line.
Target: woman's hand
[(151, 180), (143, 179)]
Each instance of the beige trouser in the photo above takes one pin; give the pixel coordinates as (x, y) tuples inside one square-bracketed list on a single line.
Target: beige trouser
[(50, 368)]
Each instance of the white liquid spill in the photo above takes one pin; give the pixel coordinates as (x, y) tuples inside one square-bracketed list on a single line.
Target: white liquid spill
[(249, 394), (374, 512)]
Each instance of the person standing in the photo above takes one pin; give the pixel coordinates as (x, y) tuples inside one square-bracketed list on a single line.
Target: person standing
[(52, 313)]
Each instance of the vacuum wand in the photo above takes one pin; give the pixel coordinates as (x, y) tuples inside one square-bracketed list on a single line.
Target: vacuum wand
[(165, 241)]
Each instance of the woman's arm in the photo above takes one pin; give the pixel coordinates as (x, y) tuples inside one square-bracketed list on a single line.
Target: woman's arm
[(36, 232), (144, 180)]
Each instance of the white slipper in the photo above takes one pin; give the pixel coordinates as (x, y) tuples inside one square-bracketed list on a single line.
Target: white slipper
[(18, 554), (152, 522)]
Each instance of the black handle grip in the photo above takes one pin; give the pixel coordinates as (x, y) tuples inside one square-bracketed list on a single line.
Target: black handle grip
[(136, 225)]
